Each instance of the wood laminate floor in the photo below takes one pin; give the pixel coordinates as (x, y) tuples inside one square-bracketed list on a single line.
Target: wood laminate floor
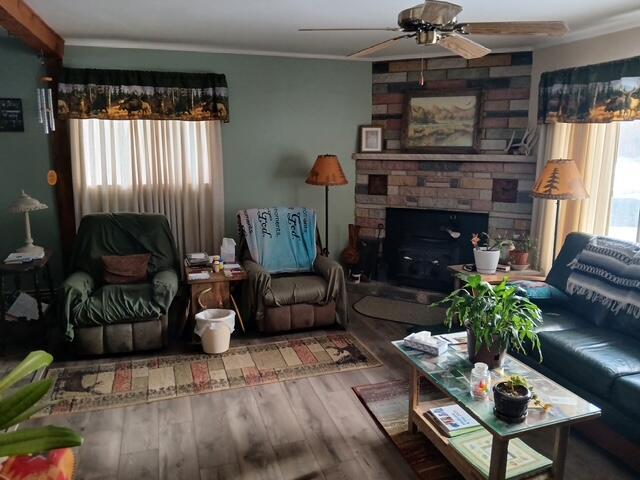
[(312, 428)]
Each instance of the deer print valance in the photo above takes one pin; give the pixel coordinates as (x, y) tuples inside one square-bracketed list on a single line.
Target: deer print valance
[(602, 93), (128, 95)]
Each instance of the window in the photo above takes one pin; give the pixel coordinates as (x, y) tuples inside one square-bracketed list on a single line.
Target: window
[(144, 153), (624, 222)]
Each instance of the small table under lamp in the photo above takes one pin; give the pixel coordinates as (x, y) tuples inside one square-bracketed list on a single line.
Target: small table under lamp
[(25, 204), (560, 180), (326, 172)]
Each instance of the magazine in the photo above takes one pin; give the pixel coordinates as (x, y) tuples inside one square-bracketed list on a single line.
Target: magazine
[(452, 420), (455, 338), (522, 460)]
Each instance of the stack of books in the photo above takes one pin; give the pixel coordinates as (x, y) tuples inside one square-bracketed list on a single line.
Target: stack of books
[(17, 258), (452, 420), (199, 259)]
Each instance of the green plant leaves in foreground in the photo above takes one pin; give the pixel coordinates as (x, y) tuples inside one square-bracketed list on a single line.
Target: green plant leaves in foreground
[(13, 408), (34, 440), (34, 361), (20, 404)]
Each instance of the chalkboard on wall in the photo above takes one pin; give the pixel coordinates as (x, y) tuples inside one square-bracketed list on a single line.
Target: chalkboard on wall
[(11, 115)]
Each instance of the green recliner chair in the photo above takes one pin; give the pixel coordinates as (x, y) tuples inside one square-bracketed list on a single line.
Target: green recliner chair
[(102, 318)]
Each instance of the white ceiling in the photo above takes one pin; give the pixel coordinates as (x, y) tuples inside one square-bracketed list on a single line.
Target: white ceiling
[(270, 26)]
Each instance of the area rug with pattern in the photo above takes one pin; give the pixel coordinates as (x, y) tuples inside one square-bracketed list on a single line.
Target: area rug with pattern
[(112, 383), (388, 404)]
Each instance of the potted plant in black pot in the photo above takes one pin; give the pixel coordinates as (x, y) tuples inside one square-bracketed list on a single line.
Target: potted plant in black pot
[(511, 399), (496, 318)]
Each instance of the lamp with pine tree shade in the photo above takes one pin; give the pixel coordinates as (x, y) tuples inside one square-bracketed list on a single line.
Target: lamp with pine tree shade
[(560, 179)]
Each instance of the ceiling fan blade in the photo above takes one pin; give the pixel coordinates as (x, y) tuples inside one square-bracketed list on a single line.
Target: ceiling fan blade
[(552, 28), (439, 13), (463, 46), (378, 46), (389, 29)]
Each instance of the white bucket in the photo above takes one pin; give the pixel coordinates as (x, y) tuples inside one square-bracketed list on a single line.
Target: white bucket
[(215, 326)]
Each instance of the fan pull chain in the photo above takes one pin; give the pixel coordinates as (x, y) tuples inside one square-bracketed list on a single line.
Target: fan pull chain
[(422, 72)]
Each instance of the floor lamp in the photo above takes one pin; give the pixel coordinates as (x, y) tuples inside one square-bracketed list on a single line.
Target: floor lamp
[(326, 172), (559, 180)]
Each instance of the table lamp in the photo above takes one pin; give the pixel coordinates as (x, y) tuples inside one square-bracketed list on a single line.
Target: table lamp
[(25, 204), (326, 172), (559, 180)]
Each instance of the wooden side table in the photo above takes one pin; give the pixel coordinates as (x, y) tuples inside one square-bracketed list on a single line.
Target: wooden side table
[(214, 292), (495, 278), (35, 268)]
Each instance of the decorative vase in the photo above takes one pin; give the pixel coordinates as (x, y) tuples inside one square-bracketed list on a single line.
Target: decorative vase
[(493, 355), (350, 255), (486, 260), (509, 406)]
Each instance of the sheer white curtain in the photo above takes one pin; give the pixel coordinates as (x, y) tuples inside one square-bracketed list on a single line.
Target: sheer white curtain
[(594, 148), (152, 166)]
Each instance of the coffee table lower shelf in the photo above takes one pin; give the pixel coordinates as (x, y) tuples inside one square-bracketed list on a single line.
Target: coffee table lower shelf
[(443, 444)]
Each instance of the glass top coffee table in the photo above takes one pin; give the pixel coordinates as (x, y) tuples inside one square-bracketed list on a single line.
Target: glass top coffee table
[(449, 374)]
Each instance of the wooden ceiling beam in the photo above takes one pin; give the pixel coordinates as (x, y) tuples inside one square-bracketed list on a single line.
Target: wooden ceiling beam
[(21, 21)]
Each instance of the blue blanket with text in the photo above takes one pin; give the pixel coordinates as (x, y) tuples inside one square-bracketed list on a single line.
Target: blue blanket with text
[(281, 239)]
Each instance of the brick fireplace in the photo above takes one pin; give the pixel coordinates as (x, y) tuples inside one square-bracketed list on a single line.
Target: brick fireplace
[(490, 182)]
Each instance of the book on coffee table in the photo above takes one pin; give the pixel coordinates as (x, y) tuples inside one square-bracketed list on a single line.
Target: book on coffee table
[(522, 460), (452, 420)]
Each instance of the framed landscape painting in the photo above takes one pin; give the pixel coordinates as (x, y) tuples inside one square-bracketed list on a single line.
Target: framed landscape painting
[(442, 122)]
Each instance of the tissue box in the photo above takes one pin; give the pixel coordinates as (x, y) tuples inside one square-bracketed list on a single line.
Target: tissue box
[(434, 346)]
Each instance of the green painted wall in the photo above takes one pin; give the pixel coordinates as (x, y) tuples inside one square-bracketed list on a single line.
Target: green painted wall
[(284, 112), (24, 156)]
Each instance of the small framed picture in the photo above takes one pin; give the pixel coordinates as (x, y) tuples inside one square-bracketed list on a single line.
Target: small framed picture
[(370, 139)]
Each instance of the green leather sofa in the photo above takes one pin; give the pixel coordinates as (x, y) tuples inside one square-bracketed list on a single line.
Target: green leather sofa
[(590, 350), (101, 318)]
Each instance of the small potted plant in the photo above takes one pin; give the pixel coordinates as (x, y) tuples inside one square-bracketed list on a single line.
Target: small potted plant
[(486, 252), (519, 256), (511, 399), (496, 317)]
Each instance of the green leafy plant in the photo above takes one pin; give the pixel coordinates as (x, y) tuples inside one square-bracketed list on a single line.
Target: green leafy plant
[(494, 313), (20, 404), (491, 244), (524, 243), (511, 385)]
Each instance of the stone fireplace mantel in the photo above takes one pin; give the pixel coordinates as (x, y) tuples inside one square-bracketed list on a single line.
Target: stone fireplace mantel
[(445, 157)]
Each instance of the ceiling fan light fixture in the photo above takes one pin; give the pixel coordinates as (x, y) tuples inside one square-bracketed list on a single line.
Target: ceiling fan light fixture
[(428, 37)]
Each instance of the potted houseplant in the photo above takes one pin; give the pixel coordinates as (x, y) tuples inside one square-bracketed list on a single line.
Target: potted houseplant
[(487, 251), (22, 452), (511, 399), (519, 256), (496, 317)]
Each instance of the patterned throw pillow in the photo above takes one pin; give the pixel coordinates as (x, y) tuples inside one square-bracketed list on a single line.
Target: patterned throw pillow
[(120, 269)]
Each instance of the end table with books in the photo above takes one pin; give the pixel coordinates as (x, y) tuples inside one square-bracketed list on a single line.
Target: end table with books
[(211, 289)]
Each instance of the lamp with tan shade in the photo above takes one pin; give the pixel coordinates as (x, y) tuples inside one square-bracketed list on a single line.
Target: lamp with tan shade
[(559, 180), (326, 172)]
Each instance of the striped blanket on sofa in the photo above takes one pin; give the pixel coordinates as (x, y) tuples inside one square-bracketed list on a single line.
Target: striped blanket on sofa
[(608, 271)]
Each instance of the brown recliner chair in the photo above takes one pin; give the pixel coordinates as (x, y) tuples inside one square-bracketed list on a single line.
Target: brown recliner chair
[(282, 302)]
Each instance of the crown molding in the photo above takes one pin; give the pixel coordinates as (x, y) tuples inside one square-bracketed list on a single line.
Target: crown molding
[(613, 24), (188, 47)]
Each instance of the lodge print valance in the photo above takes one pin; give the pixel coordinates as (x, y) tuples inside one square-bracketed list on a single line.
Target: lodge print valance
[(129, 95), (602, 93)]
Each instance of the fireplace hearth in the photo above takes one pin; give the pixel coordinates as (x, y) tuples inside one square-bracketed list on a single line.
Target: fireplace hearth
[(421, 243)]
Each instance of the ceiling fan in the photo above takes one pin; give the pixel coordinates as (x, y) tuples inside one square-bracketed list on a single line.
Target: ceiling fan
[(435, 23)]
